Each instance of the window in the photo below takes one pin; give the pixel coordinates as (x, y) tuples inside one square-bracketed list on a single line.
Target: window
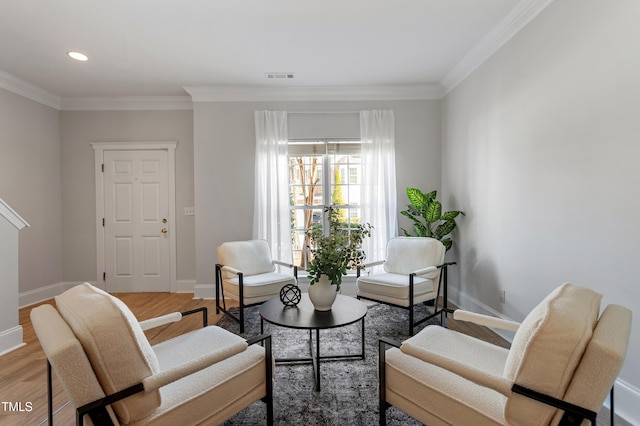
[(322, 173), (294, 179)]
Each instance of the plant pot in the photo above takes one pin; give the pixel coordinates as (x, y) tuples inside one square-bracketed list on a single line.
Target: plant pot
[(322, 294)]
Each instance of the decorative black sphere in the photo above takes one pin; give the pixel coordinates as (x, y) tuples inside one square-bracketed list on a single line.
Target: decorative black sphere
[(290, 295)]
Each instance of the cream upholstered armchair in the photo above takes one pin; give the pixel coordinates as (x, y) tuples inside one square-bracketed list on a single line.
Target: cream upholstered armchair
[(246, 272), (413, 273), (113, 376), (563, 361)]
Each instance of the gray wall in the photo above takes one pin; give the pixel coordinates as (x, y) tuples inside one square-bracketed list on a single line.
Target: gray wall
[(224, 163), (540, 148), (79, 129), (30, 182)]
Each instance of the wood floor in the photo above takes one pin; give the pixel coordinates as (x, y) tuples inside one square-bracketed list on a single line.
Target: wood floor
[(23, 377)]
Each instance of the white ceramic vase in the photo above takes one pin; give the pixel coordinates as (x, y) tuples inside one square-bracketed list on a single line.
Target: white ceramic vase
[(322, 294)]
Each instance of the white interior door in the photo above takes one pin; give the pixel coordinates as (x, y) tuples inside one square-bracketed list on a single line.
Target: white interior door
[(136, 221)]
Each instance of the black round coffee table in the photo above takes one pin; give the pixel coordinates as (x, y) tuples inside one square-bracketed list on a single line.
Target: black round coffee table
[(345, 310)]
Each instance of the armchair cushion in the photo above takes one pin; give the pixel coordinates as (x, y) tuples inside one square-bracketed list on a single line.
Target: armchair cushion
[(258, 287), (115, 344), (602, 359), (413, 384), (548, 347), (408, 254), (231, 383), (250, 257), (67, 358), (394, 288)]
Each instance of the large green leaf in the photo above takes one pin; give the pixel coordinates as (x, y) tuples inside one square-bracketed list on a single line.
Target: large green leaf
[(426, 213), (444, 228), (416, 197), (451, 215), (410, 215), (434, 211)]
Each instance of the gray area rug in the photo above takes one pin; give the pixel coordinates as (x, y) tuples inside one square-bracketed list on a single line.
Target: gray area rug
[(348, 394)]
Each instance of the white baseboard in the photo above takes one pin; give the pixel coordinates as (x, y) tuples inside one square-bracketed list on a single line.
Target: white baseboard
[(41, 294), (627, 402), (185, 286), (468, 303), (11, 340), (204, 291)]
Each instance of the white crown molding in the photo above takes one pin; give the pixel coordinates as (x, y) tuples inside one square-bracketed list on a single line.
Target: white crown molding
[(127, 103), (28, 90), (14, 218), (518, 18), (299, 93)]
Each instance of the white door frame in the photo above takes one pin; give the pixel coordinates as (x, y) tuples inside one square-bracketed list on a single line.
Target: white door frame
[(99, 149)]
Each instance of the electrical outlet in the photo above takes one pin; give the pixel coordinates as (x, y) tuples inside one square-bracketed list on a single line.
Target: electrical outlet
[(503, 296)]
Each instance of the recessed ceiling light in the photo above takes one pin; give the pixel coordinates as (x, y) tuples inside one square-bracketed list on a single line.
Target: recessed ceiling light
[(78, 56)]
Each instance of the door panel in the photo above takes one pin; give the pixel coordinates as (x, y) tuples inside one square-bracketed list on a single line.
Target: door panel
[(136, 204), (123, 257)]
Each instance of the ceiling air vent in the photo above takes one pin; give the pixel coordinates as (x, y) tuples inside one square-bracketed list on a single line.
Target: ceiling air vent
[(279, 75)]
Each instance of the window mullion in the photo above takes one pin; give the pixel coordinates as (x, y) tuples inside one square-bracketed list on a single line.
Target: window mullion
[(326, 187)]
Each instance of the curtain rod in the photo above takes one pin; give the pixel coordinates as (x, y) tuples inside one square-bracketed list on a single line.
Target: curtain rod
[(323, 112)]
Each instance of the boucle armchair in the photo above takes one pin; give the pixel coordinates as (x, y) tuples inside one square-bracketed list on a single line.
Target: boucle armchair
[(414, 272), (247, 273), (113, 376), (562, 363)]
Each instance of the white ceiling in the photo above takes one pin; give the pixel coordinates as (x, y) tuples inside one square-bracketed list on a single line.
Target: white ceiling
[(159, 47)]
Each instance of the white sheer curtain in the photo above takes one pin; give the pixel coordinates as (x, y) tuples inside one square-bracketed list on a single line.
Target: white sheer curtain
[(271, 218), (378, 180)]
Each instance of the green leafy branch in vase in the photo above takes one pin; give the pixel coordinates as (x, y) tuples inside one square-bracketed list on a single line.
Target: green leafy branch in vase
[(335, 253)]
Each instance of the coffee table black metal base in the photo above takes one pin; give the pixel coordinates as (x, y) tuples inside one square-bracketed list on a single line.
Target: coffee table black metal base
[(345, 310)]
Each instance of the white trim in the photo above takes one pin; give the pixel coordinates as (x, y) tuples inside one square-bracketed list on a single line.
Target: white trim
[(14, 218), (463, 301), (204, 291), (326, 93), (516, 20), (627, 399), (41, 294), (185, 286), (28, 90), (99, 149), (10, 340), (124, 103)]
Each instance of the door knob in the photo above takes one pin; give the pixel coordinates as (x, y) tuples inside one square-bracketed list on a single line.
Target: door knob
[(164, 230)]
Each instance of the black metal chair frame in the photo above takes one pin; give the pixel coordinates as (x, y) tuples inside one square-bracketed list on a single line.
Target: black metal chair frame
[(443, 311), (97, 410), (573, 414), (220, 293)]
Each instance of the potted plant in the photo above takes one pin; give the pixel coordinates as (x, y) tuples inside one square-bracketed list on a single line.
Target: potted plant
[(427, 216), (333, 254)]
